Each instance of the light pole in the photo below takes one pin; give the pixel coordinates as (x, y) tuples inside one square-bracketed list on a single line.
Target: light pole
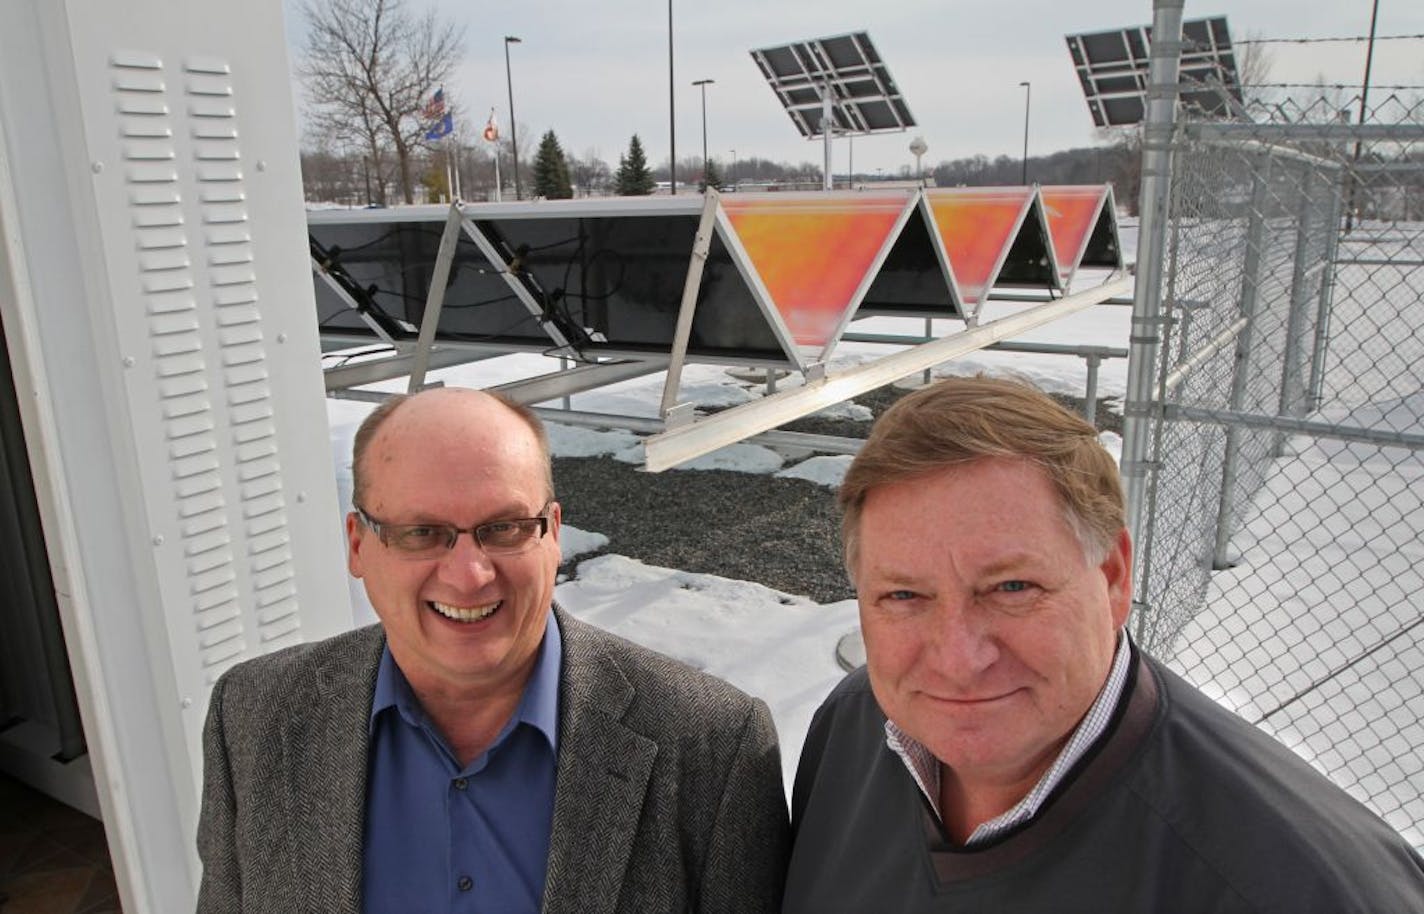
[(1028, 94), (703, 84), (513, 136), (672, 114), (731, 172)]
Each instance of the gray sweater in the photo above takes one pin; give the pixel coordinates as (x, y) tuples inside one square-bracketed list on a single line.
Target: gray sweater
[(1180, 807)]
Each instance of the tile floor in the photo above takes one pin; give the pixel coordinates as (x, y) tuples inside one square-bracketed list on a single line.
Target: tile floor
[(53, 859)]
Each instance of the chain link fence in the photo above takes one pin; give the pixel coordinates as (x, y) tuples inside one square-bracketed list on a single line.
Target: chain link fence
[(1281, 535)]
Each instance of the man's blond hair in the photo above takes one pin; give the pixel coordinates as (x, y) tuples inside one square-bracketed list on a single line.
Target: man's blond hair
[(959, 420)]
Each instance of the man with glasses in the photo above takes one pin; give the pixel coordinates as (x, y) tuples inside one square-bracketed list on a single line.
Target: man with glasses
[(480, 750)]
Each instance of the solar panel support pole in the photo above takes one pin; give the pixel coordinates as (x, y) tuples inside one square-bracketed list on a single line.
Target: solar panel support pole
[(701, 244), (827, 126), (435, 298)]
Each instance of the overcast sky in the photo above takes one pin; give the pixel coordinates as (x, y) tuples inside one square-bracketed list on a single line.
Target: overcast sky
[(596, 71)]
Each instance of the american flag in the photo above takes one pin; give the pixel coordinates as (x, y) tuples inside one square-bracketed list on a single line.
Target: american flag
[(435, 108)]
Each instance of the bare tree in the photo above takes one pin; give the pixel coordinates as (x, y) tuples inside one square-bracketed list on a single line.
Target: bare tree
[(370, 68), (1253, 69)]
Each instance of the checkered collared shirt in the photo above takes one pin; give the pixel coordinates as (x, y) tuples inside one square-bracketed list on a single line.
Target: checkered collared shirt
[(924, 767)]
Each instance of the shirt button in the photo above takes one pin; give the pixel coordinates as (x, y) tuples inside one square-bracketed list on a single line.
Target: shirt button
[(461, 783), (465, 884)]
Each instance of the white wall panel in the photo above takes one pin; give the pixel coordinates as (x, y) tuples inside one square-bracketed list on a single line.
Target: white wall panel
[(172, 393)]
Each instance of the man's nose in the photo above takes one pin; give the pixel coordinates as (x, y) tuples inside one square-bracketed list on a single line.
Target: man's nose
[(963, 640), (466, 564)]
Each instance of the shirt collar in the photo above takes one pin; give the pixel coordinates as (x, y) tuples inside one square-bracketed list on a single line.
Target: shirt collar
[(538, 706), (924, 767)]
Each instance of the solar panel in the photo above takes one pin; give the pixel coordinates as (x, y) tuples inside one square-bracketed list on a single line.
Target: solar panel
[(1112, 68), (864, 98)]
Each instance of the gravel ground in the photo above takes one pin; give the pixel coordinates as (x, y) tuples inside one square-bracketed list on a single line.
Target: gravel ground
[(782, 533)]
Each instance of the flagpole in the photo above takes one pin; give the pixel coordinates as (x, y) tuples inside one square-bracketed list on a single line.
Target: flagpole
[(455, 154), (491, 135)]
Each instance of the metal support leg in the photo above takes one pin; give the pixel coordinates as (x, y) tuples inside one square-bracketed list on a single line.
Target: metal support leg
[(929, 331), (435, 298), (1090, 395), (700, 246)]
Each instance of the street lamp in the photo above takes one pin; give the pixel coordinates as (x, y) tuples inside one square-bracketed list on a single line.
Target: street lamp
[(703, 84), (733, 170), (1028, 93), (513, 136), (672, 114)]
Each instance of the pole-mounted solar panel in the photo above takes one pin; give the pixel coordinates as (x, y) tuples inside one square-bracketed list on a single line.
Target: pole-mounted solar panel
[(839, 81), (1112, 69)]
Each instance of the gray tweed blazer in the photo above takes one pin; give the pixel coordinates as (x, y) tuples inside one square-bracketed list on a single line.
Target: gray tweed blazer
[(668, 797)]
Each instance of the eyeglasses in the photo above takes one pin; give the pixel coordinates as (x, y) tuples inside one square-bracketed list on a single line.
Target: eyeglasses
[(428, 541)]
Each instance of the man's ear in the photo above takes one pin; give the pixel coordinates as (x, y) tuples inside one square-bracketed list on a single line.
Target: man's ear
[(1117, 571), (354, 531), (556, 517)]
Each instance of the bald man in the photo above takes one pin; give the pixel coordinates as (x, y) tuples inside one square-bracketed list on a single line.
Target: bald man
[(479, 749)]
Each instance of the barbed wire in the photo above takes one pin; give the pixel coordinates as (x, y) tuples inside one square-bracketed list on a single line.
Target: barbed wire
[(1327, 86), (1323, 40)]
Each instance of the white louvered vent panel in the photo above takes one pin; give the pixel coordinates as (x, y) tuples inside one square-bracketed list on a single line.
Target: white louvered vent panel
[(231, 269), (165, 261)]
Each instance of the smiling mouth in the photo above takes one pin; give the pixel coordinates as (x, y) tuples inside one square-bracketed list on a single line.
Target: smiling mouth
[(465, 613), (971, 700)]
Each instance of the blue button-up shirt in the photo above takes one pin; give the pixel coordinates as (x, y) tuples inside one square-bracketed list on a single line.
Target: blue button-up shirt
[(444, 838)]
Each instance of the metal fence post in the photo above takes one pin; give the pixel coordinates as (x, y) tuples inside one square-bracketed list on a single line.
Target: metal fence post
[(1292, 401), (1241, 366), (1327, 296), (1146, 337)]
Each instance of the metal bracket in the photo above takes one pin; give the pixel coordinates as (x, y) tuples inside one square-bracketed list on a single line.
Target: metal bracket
[(679, 415)]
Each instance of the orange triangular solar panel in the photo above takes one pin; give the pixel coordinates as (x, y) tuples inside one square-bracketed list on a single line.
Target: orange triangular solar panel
[(976, 226), (1080, 218), (814, 253)]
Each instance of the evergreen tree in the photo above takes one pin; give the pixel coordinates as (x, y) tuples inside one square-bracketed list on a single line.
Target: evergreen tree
[(711, 177), (551, 170), (634, 178)]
